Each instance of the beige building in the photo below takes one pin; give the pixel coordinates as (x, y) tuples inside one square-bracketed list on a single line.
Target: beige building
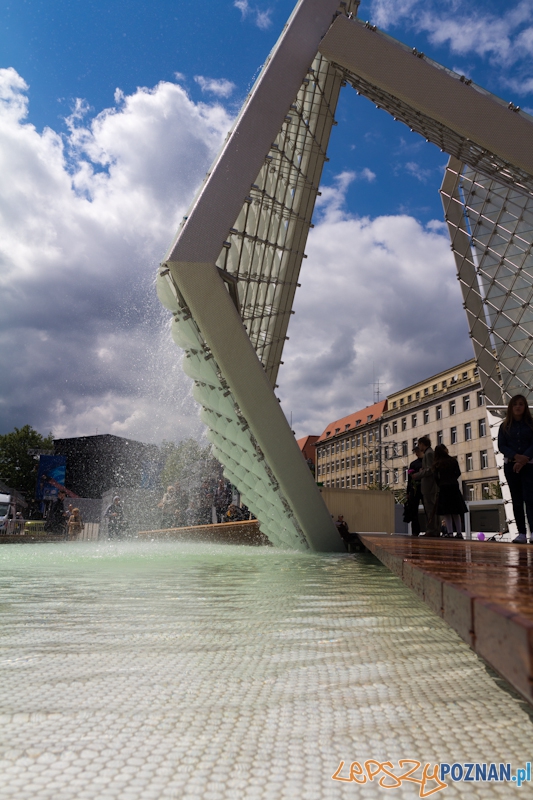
[(348, 451), (449, 408), (373, 447)]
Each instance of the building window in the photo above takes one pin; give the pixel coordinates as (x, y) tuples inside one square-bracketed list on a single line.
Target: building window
[(404, 449), (359, 480), (342, 463), (338, 483), (353, 481), (480, 399), (370, 437), (453, 435), (358, 459), (469, 462), (353, 442), (426, 416), (440, 437), (417, 396), (415, 442), (353, 461), (365, 478), (404, 423), (484, 458), (385, 430), (482, 425), (394, 404), (319, 469), (452, 408), (444, 384), (337, 447), (364, 459), (466, 402), (364, 438), (439, 412), (468, 431), (395, 450), (342, 446), (426, 391), (401, 401), (413, 420), (485, 491), (405, 474), (337, 465), (386, 453), (470, 492), (371, 477), (409, 398), (342, 483), (395, 427), (358, 440), (387, 478), (435, 387), (395, 476)]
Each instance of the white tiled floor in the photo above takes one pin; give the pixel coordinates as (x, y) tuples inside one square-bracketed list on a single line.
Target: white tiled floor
[(156, 670)]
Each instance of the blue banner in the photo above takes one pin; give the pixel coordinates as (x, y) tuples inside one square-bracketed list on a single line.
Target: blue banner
[(51, 477)]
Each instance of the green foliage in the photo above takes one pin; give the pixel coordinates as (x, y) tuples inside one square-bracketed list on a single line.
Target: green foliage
[(18, 469), (495, 492), (185, 462)]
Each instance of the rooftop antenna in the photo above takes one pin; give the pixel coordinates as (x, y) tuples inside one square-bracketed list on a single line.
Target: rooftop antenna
[(376, 385)]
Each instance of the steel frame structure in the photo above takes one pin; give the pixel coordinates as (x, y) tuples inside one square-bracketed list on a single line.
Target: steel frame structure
[(231, 273)]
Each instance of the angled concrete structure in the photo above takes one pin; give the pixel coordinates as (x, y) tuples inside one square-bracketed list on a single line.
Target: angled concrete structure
[(230, 276)]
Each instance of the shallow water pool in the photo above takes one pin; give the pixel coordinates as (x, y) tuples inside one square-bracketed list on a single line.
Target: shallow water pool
[(165, 670)]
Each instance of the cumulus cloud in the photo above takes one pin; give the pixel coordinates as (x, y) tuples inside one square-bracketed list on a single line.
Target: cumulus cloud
[(84, 220), (379, 300), (261, 17), (469, 28), (220, 87)]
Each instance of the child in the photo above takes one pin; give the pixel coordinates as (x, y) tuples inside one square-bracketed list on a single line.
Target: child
[(75, 525)]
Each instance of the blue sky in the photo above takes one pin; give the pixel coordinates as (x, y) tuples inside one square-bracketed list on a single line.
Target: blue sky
[(97, 172)]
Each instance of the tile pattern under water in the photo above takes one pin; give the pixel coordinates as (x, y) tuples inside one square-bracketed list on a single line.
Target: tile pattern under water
[(163, 670)]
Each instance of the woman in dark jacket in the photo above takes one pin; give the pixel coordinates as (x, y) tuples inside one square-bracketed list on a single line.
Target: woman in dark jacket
[(515, 442), (450, 503)]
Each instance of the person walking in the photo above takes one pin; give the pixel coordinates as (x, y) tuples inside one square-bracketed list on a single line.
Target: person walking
[(450, 504), (56, 517), (515, 442), (115, 518), (428, 485), (414, 494)]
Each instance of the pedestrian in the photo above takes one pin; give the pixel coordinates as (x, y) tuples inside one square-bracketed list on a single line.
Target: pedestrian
[(342, 527), (75, 524), (450, 504), (428, 486), (55, 519), (515, 442), (168, 508), (414, 493), (115, 518)]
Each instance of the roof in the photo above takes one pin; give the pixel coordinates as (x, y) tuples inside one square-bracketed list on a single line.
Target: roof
[(305, 440), (353, 421)]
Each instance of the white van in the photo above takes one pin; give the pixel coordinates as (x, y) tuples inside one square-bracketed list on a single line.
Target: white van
[(8, 515)]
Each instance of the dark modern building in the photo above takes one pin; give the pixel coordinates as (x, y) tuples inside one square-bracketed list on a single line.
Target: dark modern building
[(97, 463)]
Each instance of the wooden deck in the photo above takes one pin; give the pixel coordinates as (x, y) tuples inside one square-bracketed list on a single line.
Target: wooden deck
[(484, 590)]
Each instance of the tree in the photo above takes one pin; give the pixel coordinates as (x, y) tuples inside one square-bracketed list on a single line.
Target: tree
[(18, 469), (187, 463)]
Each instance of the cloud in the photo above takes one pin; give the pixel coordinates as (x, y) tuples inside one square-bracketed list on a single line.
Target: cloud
[(378, 297), (84, 220), (469, 28), (260, 17), (217, 86)]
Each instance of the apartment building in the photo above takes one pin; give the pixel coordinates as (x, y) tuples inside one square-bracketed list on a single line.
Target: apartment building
[(448, 407), (348, 450)]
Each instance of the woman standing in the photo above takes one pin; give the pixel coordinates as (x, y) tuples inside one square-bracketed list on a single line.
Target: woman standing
[(450, 503), (515, 442), (75, 524)]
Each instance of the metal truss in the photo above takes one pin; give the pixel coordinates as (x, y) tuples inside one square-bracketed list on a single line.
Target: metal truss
[(231, 274)]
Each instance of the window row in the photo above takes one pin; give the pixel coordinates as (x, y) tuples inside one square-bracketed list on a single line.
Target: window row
[(434, 388), (424, 417)]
